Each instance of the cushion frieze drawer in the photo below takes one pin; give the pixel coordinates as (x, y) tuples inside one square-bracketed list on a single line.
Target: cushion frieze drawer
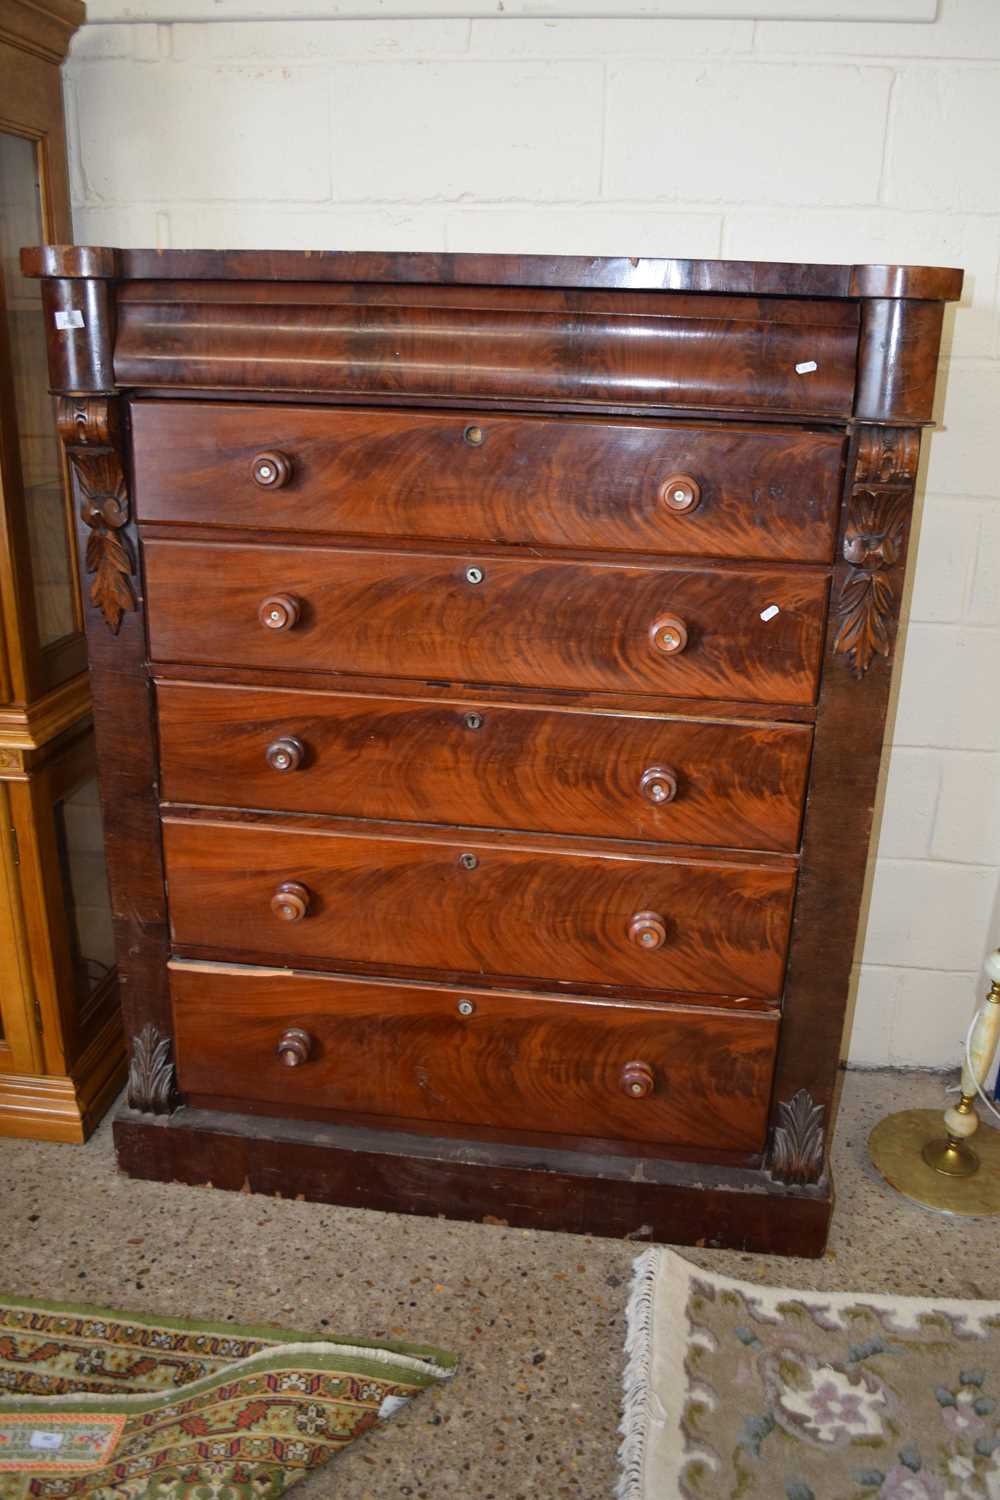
[(732, 353), (477, 477), (471, 905), (729, 633), (567, 1065), (681, 780)]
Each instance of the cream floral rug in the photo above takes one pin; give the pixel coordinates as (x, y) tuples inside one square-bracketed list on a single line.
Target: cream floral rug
[(739, 1392)]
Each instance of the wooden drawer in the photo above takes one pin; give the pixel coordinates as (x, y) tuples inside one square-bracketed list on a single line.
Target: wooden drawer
[(546, 624), (468, 477), (480, 905), (612, 776), (567, 1065), (471, 344)]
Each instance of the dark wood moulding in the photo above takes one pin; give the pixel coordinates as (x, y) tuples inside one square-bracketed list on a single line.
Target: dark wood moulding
[(735, 277)]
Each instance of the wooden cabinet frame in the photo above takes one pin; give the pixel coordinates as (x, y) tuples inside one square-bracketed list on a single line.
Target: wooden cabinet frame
[(61, 1055)]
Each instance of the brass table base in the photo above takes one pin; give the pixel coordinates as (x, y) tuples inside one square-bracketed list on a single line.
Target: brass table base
[(896, 1148)]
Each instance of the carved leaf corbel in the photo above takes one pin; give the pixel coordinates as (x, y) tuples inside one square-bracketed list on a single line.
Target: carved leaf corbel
[(151, 1084), (797, 1147), (887, 455), (90, 434), (867, 606)]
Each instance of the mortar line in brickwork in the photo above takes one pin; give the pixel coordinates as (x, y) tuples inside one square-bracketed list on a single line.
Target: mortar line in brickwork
[(602, 173)]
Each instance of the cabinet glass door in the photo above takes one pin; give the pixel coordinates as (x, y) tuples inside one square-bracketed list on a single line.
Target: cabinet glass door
[(80, 841), (47, 521)]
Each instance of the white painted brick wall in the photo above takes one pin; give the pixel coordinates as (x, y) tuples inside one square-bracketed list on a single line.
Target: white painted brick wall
[(781, 140), (428, 131), (666, 119)]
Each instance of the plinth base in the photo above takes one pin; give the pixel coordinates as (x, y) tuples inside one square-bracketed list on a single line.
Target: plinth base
[(525, 1187)]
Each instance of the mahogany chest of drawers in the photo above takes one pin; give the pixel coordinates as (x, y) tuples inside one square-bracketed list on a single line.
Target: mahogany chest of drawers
[(491, 658)]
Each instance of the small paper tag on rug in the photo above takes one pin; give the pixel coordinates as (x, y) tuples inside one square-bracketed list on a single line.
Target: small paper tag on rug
[(37, 1443)]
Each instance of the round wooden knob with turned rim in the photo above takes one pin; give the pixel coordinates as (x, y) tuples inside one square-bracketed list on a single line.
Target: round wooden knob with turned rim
[(648, 930), (669, 634), (658, 785), (285, 753), (279, 612), (680, 493), (294, 1047), (271, 470), (637, 1080), (290, 902)]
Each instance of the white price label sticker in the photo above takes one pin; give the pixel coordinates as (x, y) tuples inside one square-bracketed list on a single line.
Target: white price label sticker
[(769, 613), (391, 1405), (46, 1440), (807, 367), (68, 319)]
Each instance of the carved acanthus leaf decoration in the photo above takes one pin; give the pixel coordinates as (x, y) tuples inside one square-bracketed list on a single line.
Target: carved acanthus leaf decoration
[(151, 1084), (885, 468), (867, 606), (89, 431), (797, 1147)]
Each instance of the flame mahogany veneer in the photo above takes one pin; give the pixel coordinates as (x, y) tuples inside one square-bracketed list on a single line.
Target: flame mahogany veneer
[(491, 658), (635, 776), (527, 481)]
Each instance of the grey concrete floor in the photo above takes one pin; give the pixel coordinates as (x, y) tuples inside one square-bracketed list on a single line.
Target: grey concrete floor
[(537, 1319)]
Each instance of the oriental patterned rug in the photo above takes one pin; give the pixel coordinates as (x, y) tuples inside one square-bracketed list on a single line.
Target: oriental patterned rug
[(111, 1406), (739, 1392)]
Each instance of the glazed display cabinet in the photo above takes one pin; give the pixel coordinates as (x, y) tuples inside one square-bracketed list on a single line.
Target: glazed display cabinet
[(61, 1044)]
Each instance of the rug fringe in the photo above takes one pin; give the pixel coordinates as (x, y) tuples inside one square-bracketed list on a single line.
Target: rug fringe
[(639, 1352)]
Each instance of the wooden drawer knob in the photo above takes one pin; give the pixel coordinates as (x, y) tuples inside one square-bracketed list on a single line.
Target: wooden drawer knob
[(637, 1080), (290, 902), (648, 930), (294, 1047), (658, 784), (286, 753), (669, 634), (680, 493), (271, 470), (279, 612)]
